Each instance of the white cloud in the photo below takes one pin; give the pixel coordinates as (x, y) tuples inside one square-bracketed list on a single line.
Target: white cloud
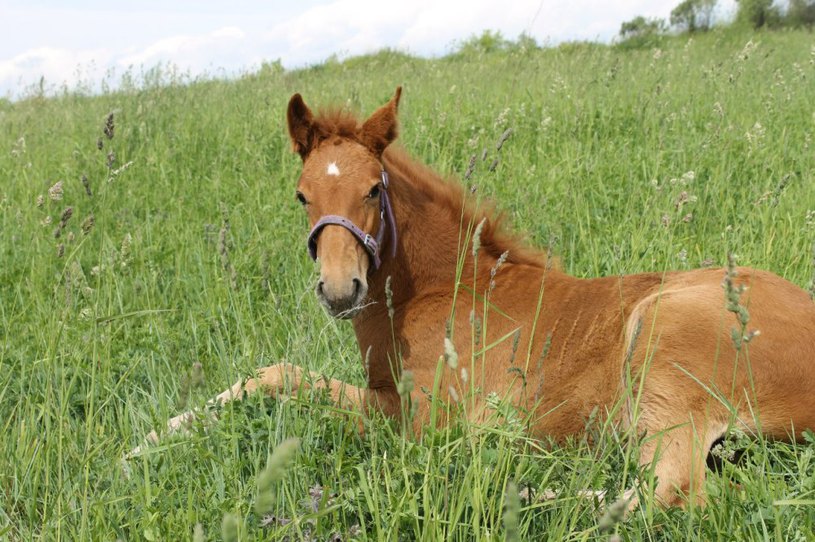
[(142, 39), (58, 66), (188, 51)]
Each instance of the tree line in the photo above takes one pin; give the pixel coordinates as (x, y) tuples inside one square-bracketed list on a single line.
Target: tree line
[(700, 16)]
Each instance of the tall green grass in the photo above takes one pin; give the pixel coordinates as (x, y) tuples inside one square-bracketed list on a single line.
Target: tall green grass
[(621, 160)]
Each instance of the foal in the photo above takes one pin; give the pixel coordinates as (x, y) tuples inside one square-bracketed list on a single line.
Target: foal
[(657, 344)]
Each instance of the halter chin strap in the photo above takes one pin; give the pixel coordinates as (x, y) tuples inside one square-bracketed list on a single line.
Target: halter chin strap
[(372, 244)]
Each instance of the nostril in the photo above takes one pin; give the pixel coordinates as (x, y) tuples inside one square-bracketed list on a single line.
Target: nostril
[(357, 287), (320, 287)]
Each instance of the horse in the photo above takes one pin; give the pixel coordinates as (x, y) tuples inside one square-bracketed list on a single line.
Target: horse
[(468, 312)]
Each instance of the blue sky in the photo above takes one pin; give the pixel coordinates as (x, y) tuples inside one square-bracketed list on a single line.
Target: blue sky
[(88, 40)]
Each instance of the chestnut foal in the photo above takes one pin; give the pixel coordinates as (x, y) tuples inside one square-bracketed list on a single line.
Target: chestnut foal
[(652, 350)]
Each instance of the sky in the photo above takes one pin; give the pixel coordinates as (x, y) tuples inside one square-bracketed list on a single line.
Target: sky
[(67, 42)]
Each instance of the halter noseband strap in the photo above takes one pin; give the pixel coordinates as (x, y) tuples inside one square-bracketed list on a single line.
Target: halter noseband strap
[(372, 245)]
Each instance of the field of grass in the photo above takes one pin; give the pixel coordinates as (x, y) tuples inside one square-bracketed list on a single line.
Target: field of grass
[(182, 267)]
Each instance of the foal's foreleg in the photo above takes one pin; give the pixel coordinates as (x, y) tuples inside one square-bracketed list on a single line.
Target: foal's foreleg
[(275, 380)]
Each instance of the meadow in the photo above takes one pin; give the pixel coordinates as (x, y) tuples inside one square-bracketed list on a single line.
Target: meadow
[(150, 259)]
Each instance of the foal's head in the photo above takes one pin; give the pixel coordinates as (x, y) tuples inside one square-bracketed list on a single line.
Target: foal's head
[(342, 190)]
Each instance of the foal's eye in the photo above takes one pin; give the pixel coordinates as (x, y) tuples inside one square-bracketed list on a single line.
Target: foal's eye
[(301, 198), (374, 192)]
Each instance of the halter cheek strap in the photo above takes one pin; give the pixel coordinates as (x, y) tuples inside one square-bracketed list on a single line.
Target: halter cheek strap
[(371, 244)]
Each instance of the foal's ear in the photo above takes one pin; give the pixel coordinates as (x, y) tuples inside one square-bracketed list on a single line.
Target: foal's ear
[(381, 128), (301, 125)]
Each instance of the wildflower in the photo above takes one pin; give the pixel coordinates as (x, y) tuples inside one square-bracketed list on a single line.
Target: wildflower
[(19, 148), (40, 201), (546, 122), (718, 109), (502, 118), (755, 134), (748, 49)]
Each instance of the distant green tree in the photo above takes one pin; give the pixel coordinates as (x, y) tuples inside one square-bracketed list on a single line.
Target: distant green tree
[(693, 15), (801, 13), (640, 27), (488, 42), (758, 13)]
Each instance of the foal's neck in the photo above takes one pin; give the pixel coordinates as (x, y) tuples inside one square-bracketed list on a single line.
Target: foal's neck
[(432, 228)]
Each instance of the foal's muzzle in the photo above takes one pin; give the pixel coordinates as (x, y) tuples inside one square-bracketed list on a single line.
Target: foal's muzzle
[(342, 300)]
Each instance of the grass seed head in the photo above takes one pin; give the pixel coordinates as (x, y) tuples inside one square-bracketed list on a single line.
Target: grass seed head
[(87, 224), (503, 139), (276, 467), (55, 192), (67, 213), (389, 297), (198, 533), (109, 126), (450, 354), (230, 528), (512, 511), (406, 384), (453, 394), (477, 237), (470, 168), (87, 184)]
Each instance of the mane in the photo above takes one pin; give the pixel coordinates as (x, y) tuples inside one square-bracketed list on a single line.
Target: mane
[(336, 122), (496, 237)]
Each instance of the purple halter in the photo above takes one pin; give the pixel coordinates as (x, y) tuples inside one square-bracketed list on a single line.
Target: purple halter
[(370, 243)]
